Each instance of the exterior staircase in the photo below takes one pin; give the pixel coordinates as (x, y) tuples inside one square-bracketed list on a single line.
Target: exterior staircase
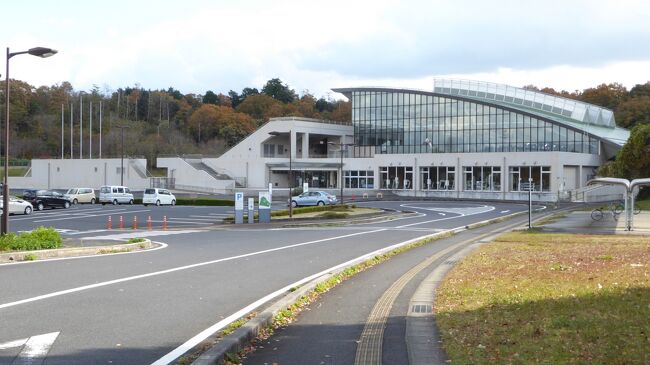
[(199, 165)]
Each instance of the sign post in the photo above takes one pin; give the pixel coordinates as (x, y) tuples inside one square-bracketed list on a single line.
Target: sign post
[(251, 210), (530, 202), (239, 208), (264, 207)]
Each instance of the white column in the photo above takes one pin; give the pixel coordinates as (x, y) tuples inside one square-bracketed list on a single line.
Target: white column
[(305, 145), (292, 142)]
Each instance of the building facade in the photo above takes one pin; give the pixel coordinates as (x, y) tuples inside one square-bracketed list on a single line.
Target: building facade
[(463, 139)]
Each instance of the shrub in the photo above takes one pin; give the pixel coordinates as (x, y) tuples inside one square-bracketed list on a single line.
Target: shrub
[(39, 239), (333, 215), (135, 240)]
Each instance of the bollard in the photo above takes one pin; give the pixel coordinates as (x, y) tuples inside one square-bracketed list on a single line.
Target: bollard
[(353, 197), (164, 222), (135, 222), (109, 224), (149, 223), (121, 223)]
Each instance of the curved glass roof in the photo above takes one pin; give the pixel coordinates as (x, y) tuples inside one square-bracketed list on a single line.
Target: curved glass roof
[(573, 110)]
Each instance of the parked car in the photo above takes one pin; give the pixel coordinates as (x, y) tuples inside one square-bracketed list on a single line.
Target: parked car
[(313, 198), (115, 194), (158, 197), (81, 195), (17, 206), (41, 199)]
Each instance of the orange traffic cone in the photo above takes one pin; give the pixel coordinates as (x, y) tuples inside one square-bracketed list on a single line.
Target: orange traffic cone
[(109, 224)]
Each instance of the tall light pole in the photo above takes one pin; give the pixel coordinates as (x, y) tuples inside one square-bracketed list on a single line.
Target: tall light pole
[(290, 172), (39, 52), (121, 127), (342, 147)]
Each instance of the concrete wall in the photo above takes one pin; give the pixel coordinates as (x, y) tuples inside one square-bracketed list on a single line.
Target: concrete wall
[(64, 174), (188, 178)]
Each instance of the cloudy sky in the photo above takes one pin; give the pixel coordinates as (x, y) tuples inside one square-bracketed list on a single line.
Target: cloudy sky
[(196, 45)]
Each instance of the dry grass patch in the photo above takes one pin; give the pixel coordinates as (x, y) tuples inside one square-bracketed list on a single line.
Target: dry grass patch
[(533, 297)]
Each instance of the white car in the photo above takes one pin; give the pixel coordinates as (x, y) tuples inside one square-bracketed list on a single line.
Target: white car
[(109, 194), (158, 197), (81, 195), (17, 206)]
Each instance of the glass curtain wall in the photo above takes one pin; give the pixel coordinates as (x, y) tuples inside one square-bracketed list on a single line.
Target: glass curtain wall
[(402, 122), (438, 178)]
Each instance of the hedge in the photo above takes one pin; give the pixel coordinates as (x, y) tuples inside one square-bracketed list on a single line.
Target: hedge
[(199, 202), (39, 239)]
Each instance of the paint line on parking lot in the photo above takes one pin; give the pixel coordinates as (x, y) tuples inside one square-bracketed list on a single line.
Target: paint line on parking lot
[(91, 215), (175, 269)]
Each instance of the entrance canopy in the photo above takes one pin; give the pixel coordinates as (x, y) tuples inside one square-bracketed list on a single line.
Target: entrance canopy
[(303, 166)]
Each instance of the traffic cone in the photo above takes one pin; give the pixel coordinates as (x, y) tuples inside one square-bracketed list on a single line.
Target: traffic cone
[(121, 222), (164, 222), (135, 222), (149, 223), (109, 224)]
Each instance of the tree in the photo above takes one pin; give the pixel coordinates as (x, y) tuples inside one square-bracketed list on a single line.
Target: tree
[(210, 98), (606, 95), (234, 98), (279, 91), (640, 90), (633, 111), (260, 107), (633, 160), (203, 123)]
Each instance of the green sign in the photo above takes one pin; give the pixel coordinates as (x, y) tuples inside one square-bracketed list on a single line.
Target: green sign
[(264, 200)]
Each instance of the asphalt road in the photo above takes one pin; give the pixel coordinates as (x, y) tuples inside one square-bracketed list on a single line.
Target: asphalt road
[(137, 308)]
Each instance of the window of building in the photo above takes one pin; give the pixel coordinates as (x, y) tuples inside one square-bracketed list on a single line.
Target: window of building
[(482, 178), (396, 177), (438, 178), (520, 175), (268, 150), (359, 179)]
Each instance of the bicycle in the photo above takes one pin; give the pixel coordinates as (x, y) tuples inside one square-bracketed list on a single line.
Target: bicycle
[(616, 209)]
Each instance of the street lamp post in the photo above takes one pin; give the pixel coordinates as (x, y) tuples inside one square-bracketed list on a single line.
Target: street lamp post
[(341, 149), (275, 134), (39, 52)]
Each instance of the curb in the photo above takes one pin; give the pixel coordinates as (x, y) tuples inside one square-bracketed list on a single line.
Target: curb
[(242, 336), (19, 256)]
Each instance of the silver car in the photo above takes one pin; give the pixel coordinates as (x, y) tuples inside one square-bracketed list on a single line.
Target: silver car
[(313, 198)]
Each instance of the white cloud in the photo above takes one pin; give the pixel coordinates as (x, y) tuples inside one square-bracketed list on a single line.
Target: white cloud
[(216, 45)]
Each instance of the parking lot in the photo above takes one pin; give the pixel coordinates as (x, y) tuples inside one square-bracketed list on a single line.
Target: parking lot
[(94, 219)]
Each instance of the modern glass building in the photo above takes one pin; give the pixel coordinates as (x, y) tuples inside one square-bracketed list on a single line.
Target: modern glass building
[(474, 138), (462, 139)]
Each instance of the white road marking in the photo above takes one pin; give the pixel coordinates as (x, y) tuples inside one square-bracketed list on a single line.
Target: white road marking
[(478, 210), (180, 268), (35, 348), (162, 245), (92, 215), (505, 211), (442, 214), (134, 234), (12, 344), (189, 344)]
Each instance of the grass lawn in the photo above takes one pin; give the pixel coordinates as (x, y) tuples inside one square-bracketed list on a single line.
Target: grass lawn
[(643, 204), (15, 171), (540, 298)]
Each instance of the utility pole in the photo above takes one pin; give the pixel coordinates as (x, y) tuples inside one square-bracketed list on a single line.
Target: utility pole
[(81, 126), (100, 129), (71, 130), (62, 129), (90, 149)]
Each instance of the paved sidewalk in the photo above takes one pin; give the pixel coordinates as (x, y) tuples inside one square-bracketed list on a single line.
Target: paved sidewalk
[(329, 330), (581, 222)]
